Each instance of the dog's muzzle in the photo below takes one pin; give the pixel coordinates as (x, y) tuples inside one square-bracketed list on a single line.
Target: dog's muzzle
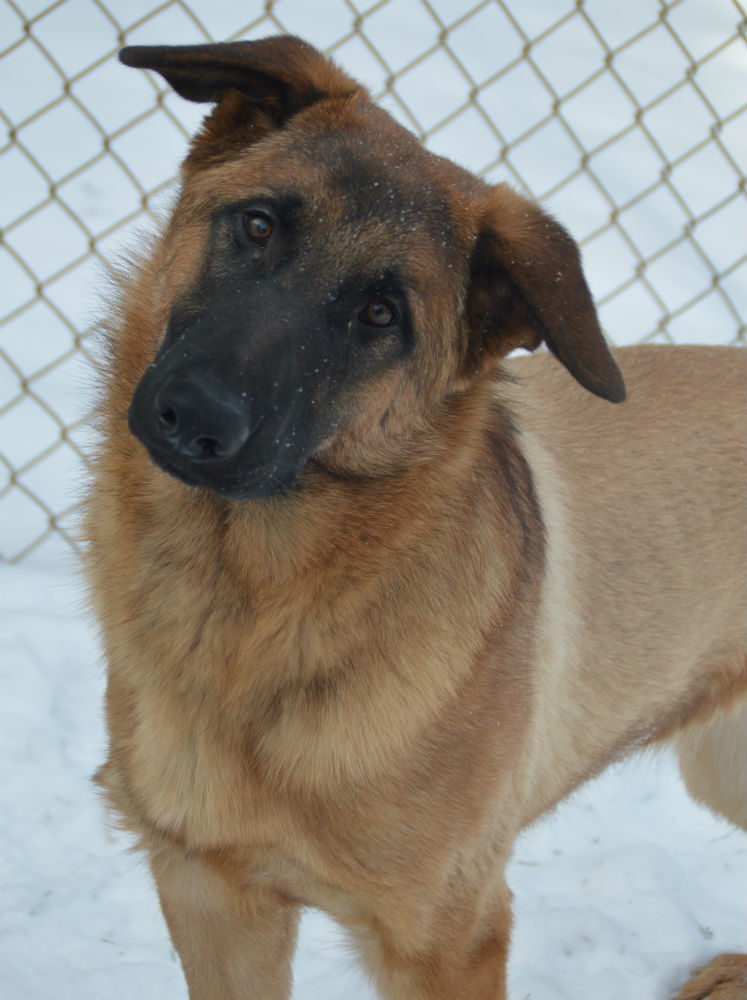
[(196, 427)]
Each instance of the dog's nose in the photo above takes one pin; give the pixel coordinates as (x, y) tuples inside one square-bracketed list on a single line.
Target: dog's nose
[(198, 419)]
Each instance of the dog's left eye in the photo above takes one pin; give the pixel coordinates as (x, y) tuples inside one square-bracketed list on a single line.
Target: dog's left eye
[(258, 227), (379, 313)]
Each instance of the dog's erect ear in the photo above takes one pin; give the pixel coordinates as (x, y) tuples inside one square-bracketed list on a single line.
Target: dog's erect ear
[(281, 75), (527, 287)]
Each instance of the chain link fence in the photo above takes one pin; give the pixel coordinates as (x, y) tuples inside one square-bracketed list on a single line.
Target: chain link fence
[(627, 120)]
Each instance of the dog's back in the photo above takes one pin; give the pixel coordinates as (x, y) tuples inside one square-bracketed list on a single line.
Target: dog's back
[(644, 604)]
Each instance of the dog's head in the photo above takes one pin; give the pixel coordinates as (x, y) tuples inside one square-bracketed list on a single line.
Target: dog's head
[(325, 285)]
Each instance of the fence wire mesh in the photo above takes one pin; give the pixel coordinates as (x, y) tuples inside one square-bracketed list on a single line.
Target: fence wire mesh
[(627, 120)]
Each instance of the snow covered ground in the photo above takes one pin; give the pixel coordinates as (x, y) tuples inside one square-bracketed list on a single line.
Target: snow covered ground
[(624, 889)]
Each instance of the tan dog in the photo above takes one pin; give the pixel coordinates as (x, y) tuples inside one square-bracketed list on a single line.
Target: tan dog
[(374, 599)]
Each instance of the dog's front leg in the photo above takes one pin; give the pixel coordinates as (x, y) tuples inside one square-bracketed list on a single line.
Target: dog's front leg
[(235, 942), (464, 955)]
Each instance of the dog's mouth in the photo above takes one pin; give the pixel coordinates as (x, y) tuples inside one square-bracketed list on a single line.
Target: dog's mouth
[(235, 479)]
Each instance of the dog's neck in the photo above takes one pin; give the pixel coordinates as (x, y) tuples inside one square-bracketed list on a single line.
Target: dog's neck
[(323, 520)]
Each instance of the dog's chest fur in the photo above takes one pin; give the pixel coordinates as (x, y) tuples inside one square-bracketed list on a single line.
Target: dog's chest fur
[(268, 716)]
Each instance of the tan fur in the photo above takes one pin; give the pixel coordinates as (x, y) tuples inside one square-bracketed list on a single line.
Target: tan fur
[(722, 979), (712, 757), (487, 585)]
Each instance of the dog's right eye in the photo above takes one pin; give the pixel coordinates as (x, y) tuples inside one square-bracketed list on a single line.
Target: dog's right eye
[(258, 227), (379, 313)]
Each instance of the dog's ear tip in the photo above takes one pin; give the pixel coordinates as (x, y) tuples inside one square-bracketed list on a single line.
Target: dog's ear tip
[(605, 381), (131, 55), (608, 380), (618, 394), (124, 55), (594, 367), (613, 391)]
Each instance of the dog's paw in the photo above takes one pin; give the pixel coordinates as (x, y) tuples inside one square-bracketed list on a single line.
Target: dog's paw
[(725, 978)]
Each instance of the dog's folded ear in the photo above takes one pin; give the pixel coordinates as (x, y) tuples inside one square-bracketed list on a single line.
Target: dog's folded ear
[(282, 75), (527, 287)]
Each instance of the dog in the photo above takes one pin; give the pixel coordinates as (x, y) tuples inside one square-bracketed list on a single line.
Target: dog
[(374, 596)]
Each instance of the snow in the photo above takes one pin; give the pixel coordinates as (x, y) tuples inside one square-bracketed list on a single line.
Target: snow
[(626, 887)]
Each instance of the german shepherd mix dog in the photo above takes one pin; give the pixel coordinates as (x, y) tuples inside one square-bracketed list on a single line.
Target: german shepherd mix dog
[(374, 599)]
